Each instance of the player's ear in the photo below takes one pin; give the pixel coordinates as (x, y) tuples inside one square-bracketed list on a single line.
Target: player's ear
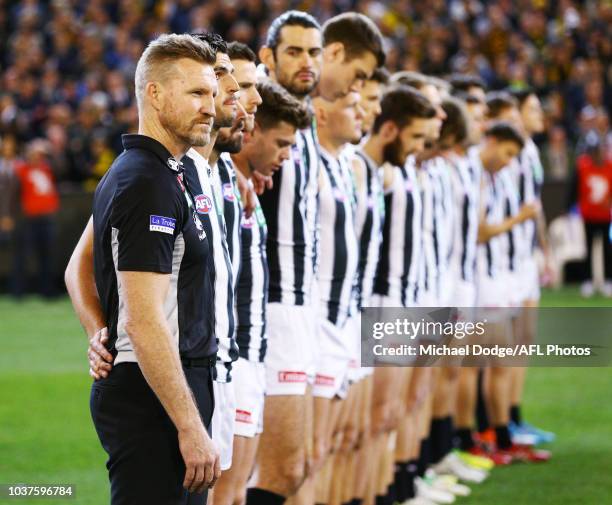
[(334, 52), (320, 111), (266, 55), (389, 131), (153, 92)]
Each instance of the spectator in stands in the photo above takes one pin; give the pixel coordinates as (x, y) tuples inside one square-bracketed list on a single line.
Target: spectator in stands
[(35, 228), (594, 171), (8, 186)]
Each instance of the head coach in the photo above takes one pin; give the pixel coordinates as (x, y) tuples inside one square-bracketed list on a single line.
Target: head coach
[(153, 410)]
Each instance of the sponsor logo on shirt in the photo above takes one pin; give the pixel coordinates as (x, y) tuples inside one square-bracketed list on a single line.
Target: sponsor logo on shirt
[(324, 380), (199, 227), (243, 416), (203, 204), (292, 377), (228, 192), (261, 219), (162, 224)]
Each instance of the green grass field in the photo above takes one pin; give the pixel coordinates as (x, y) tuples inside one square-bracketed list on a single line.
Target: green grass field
[(46, 434)]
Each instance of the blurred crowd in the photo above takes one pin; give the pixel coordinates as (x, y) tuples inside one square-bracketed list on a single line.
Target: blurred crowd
[(67, 66)]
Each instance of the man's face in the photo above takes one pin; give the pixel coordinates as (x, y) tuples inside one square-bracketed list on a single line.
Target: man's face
[(477, 112), (410, 140), (370, 103), (245, 73), (226, 100), (298, 59), (340, 75), (532, 115), (229, 139), (510, 115), (435, 124), (503, 152), (344, 118), (187, 102), (270, 148)]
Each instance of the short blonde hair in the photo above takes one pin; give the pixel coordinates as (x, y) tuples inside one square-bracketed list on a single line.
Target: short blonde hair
[(156, 60)]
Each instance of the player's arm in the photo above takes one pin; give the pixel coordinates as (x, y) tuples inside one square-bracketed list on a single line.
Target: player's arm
[(487, 231), (81, 285), (158, 357)]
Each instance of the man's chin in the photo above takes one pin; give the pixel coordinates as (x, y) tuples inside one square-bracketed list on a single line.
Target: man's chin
[(200, 140)]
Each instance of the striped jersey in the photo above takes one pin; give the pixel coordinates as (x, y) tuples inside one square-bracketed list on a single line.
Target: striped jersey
[(369, 219), (491, 261), (397, 273), (209, 208), (530, 180), (513, 241), (232, 209), (339, 256), (466, 192), (290, 209), (433, 226), (252, 289)]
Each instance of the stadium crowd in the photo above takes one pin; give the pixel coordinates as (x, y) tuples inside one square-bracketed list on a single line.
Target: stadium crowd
[(66, 66)]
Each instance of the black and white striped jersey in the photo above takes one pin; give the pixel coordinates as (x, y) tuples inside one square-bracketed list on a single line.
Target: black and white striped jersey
[(339, 253), (398, 269), (210, 209), (290, 209), (232, 209), (252, 290), (530, 181), (491, 260), (369, 219), (465, 177), (513, 242)]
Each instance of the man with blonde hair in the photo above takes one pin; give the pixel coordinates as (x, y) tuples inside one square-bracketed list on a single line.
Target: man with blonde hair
[(152, 411)]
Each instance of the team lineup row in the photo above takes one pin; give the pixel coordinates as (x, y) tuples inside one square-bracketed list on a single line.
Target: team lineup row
[(236, 239)]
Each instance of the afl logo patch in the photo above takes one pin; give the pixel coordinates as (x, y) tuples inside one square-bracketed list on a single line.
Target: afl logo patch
[(203, 204), (228, 192)]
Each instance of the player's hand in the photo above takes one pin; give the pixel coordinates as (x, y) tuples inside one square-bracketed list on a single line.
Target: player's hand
[(261, 182), (100, 360), (201, 457), (528, 211)]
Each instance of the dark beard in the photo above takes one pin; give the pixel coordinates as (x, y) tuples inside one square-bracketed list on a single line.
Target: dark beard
[(230, 145), (391, 153)]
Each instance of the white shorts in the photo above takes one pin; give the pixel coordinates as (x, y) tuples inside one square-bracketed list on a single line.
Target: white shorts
[(447, 288), (292, 350), (250, 389), (530, 276), (496, 293), (336, 352), (353, 331), (223, 421), (464, 298)]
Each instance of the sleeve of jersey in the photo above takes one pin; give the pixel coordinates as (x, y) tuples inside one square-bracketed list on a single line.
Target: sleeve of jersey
[(148, 219)]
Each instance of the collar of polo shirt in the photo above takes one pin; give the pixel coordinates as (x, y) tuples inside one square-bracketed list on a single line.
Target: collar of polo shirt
[(134, 140)]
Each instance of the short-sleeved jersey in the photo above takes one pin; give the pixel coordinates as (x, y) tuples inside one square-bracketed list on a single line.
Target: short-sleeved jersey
[(466, 200), (397, 273), (530, 181), (199, 175), (252, 290), (232, 209), (513, 242), (291, 208), (145, 220), (339, 256), (369, 219), (491, 260)]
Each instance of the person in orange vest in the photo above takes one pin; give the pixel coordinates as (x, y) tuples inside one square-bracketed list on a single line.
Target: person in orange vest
[(35, 229)]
